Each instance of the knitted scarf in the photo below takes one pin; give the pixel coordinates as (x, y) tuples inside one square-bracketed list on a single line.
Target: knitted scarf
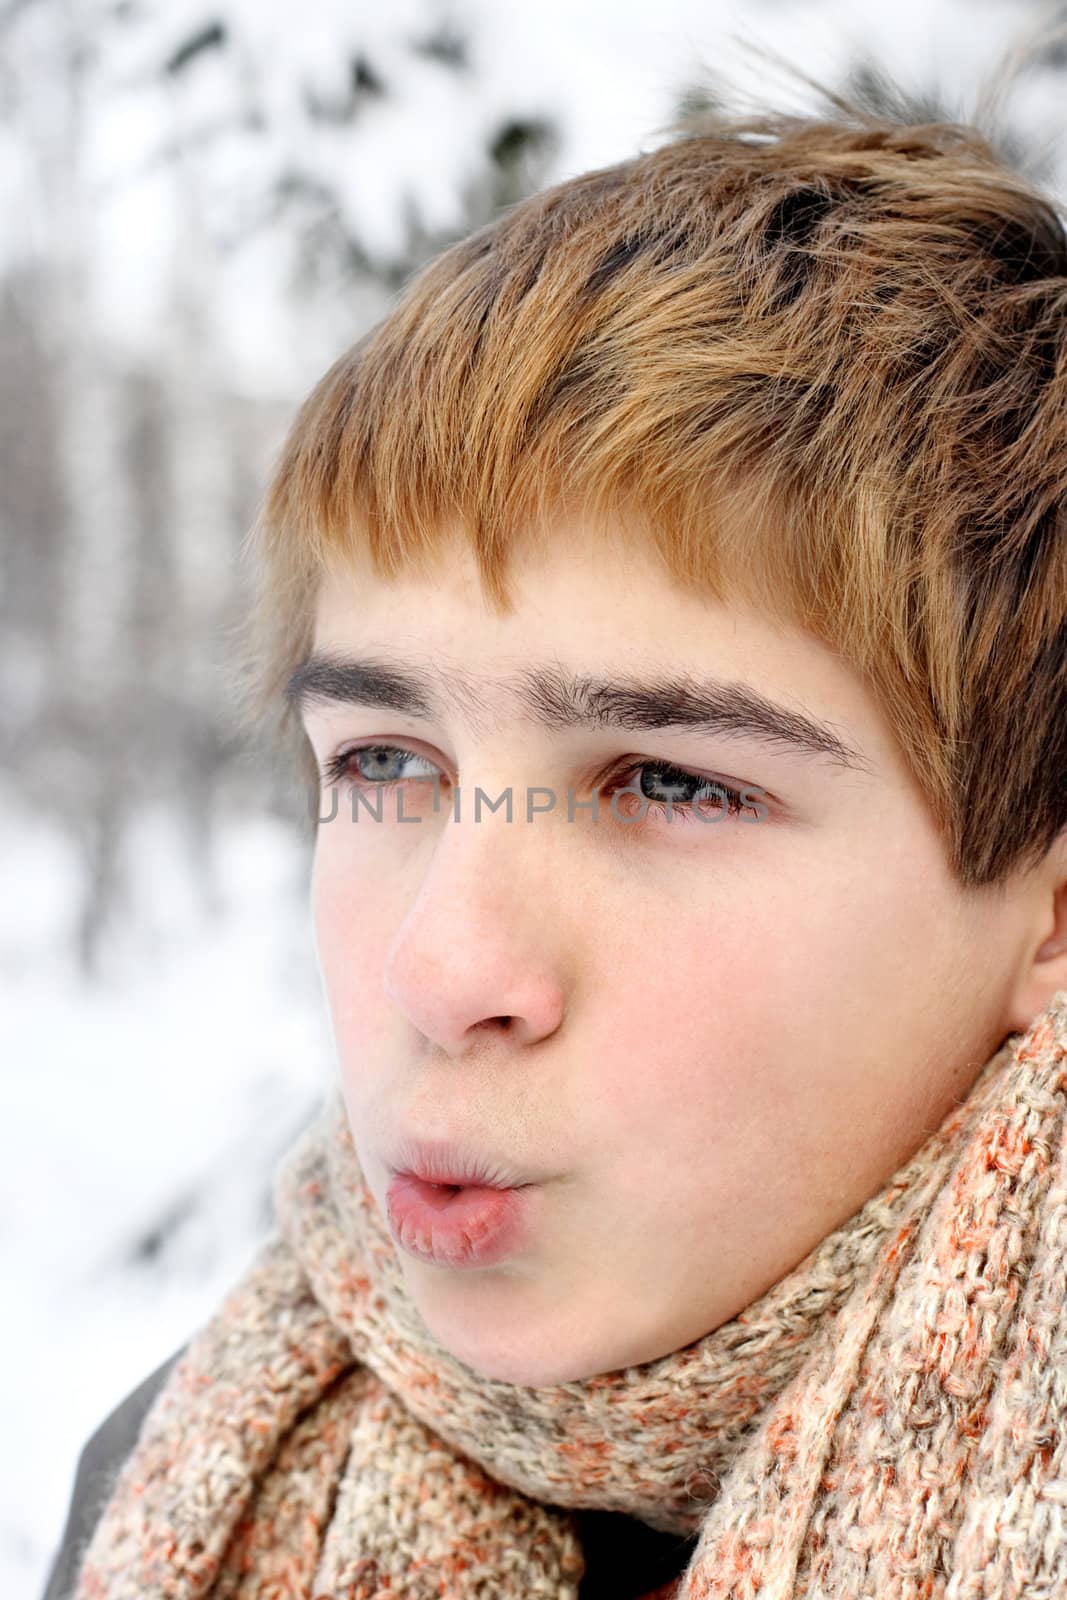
[(887, 1422)]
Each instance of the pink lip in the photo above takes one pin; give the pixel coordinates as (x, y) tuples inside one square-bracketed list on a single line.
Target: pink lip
[(468, 1226)]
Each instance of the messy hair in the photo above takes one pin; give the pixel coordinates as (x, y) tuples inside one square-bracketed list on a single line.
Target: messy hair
[(817, 363)]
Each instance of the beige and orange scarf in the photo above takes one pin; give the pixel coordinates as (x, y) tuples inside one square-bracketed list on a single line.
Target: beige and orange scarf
[(887, 1422)]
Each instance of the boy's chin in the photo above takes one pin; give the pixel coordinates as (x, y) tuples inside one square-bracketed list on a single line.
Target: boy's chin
[(515, 1343)]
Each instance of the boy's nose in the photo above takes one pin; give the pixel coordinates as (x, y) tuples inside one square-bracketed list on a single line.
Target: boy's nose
[(475, 946)]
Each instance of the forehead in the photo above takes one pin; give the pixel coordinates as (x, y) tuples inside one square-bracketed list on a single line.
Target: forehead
[(575, 600)]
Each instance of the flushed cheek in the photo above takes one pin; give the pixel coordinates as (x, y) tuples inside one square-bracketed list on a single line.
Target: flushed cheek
[(700, 1042), (677, 1035)]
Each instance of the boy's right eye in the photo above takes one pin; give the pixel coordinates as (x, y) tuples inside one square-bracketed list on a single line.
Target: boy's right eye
[(374, 764)]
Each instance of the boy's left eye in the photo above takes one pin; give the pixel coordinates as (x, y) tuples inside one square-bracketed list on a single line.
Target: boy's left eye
[(677, 792), (657, 786)]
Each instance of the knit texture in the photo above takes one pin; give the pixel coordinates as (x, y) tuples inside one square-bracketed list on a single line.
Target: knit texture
[(887, 1422)]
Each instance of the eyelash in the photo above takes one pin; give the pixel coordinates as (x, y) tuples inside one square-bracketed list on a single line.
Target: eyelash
[(336, 771)]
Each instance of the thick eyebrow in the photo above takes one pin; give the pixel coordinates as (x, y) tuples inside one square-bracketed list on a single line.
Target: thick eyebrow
[(557, 699)]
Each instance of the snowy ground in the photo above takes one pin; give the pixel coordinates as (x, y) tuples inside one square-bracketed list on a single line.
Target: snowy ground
[(144, 1114)]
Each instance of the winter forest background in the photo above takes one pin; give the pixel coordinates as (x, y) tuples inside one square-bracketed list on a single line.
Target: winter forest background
[(202, 204)]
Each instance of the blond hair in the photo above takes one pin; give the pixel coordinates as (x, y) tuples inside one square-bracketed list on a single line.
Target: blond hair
[(815, 362)]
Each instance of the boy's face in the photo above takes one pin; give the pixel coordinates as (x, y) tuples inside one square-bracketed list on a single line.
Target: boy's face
[(725, 1035)]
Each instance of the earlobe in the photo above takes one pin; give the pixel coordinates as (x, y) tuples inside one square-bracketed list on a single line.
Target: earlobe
[(1032, 1000)]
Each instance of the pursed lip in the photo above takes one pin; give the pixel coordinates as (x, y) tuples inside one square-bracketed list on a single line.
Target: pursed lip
[(450, 1164)]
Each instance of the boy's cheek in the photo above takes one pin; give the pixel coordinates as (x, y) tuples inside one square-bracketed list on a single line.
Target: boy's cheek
[(351, 943)]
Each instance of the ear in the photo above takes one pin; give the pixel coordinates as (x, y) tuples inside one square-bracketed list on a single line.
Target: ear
[(1045, 972)]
